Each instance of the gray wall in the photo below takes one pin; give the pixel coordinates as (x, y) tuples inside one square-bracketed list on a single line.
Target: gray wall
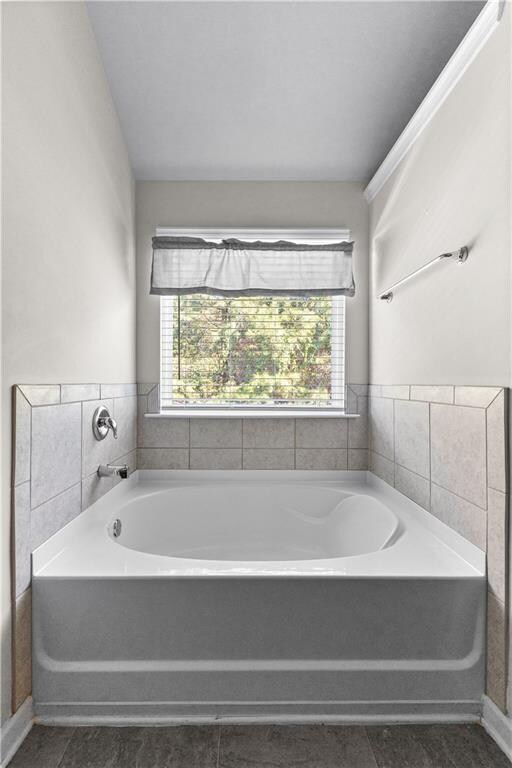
[(251, 204), (452, 325), (68, 305)]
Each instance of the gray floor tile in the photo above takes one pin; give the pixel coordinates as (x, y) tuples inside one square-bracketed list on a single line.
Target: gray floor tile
[(398, 747), (403, 746), (43, 748), (468, 746), (435, 746), (294, 746), (179, 747), (103, 748)]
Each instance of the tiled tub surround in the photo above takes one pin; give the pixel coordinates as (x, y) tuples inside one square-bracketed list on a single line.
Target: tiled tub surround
[(54, 478), (262, 443), (446, 448)]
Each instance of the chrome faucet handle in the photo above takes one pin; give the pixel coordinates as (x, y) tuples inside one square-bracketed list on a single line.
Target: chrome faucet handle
[(102, 423), (112, 424)]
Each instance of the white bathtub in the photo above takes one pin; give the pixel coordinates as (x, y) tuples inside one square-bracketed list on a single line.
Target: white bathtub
[(269, 595)]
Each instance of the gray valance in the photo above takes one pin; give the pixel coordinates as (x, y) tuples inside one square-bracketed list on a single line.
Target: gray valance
[(183, 265)]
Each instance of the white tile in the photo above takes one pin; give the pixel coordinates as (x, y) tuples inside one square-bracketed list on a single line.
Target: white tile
[(321, 433), (144, 388), (412, 436), (350, 401), (496, 444), (268, 433), (125, 415), (458, 443), (162, 458), (357, 458), (22, 537), (396, 391), (215, 458), (94, 487), (459, 514), (497, 543), (268, 458), (381, 426), (96, 452), (41, 394), (382, 467), (117, 390), (433, 394), (412, 485), (21, 431), (74, 393), (477, 397), (361, 390), (154, 399), (358, 428), (50, 517), (321, 458), (162, 433), (56, 450), (216, 433)]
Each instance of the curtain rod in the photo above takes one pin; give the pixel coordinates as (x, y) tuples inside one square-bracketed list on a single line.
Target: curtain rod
[(255, 233), (460, 256)]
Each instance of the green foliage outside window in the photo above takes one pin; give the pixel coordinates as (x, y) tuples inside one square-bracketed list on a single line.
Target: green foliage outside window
[(252, 350)]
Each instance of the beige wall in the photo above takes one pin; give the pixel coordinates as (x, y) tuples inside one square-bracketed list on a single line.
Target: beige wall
[(251, 204), (68, 224), (452, 324)]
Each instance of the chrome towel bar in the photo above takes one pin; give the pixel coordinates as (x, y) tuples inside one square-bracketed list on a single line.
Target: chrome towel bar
[(460, 256)]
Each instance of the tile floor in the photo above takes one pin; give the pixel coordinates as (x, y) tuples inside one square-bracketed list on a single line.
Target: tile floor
[(260, 746)]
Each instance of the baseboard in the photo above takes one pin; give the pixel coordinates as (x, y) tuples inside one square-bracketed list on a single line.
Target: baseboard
[(14, 731), (497, 725), (175, 713)]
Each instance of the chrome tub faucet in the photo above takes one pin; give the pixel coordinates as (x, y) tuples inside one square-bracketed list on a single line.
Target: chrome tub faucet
[(113, 470)]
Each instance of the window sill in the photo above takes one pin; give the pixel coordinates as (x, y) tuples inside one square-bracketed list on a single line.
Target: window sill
[(250, 413)]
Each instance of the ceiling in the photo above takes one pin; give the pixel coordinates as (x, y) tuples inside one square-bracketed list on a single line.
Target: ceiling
[(271, 90)]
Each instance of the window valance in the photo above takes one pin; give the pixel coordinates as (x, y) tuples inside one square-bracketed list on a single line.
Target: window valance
[(185, 265)]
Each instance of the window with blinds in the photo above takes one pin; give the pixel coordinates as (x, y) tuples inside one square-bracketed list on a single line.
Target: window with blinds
[(252, 351)]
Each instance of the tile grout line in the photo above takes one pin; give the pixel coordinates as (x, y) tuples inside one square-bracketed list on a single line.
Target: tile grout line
[(462, 498), (374, 754), (218, 746), (430, 456)]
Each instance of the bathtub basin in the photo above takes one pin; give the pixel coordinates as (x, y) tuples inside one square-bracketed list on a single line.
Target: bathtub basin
[(269, 595), (251, 522)]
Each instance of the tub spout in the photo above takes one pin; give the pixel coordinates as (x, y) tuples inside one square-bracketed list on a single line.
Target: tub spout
[(113, 470)]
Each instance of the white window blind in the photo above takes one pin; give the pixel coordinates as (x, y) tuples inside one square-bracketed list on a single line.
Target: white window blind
[(252, 351)]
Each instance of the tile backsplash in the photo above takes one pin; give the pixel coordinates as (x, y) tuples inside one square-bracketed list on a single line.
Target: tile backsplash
[(446, 448), (55, 458), (443, 446), (267, 443)]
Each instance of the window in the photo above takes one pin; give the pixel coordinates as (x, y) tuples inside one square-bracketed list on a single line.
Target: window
[(252, 351)]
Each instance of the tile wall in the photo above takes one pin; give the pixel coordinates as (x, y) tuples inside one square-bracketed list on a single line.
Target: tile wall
[(446, 448), (55, 458), (319, 444)]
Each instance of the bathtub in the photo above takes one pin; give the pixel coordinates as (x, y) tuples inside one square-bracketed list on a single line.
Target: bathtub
[(281, 596)]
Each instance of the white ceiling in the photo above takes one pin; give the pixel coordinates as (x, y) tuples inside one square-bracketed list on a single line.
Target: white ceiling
[(271, 90)]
